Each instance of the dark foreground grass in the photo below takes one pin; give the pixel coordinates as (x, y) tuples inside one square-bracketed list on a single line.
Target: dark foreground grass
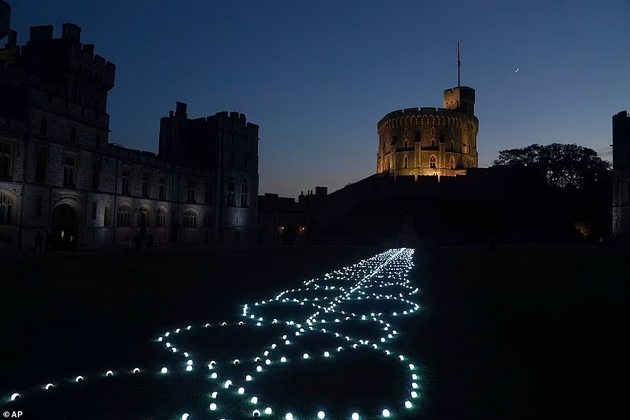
[(530, 332)]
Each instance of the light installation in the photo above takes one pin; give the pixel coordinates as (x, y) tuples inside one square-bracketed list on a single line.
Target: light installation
[(358, 283)]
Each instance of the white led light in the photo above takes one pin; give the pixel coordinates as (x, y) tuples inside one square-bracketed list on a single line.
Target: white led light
[(389, 269)]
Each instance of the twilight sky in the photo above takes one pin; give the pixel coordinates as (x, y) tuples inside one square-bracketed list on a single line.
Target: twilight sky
[(318, 75)]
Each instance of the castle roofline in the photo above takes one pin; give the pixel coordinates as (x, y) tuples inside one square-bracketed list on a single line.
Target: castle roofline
[(420, 111)]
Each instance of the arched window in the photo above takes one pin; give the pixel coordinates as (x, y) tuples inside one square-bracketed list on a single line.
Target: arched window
[(160, 218), (190, 219), (6, 209), (406, 144), (143, 217), (244, 193), (231, 193), (432, 162), (452, 163), (123, 216), (405, 162)]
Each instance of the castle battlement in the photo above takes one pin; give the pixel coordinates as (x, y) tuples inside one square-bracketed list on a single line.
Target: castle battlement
[(409, 112)]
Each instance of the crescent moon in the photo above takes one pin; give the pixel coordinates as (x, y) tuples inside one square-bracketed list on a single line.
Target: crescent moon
[(516, 71)]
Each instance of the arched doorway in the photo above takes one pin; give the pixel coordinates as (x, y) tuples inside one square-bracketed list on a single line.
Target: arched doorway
[(288, 234), (65, 227)]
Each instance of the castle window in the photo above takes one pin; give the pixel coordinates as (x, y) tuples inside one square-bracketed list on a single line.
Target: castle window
[(208, 193), (106, 218), (232, 135), (145, 184), (452, 163), (143, 217), (190, 219), (432, 162), (418, 135), (465, 148), (6, 158), (394, 140), (94, 209), (160, 218), (43, 127), (69, 170), (244, 193), (123, 216), (406, 144), (6, 209), (452, 145), (190, 196), (405, 162), (231, 194), (97, 166), (432, 142), (126, 181), (73, 135), (433, 131), (162, 189)]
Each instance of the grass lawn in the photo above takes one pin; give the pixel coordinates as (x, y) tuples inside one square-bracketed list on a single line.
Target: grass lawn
[(520, 332)]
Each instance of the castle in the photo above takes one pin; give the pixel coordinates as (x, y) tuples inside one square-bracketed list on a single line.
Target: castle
[(621, 175), (59, 173), (430, 141)]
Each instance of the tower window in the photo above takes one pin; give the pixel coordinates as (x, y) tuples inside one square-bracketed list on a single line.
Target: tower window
[(432, 162), (162, 189), (452, 163), (244, 193), (190, 219), (96, 173), (145, 185), (208, 193), (126, 181), (406, 144), (6, 158), (405, 162), (231, 197), (69, 170), (191, 192)]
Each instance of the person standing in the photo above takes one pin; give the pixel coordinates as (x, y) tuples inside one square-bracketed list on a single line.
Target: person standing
[(47, 243), (150, 239), (39, 240)]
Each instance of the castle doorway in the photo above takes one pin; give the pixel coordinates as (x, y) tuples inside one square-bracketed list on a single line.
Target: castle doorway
[(64, 228), (288, 234)]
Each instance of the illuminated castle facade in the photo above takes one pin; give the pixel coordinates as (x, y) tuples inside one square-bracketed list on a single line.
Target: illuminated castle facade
[(430, 141), (59, 172)]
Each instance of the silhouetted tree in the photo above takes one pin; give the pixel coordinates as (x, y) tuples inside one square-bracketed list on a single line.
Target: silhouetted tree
[(567, 165)]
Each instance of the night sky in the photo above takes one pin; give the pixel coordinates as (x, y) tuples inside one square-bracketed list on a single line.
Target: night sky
[(318, 75)]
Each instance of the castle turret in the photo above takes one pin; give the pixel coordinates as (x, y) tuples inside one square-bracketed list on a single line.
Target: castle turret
[(621, 174), (461, 99), (5, 19)]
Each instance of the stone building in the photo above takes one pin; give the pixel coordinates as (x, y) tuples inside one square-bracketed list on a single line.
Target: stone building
[(281, 220), (59, 173), (430, 141), (621, 175)]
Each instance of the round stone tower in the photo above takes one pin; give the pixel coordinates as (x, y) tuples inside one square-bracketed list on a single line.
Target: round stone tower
[(430, 141)]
